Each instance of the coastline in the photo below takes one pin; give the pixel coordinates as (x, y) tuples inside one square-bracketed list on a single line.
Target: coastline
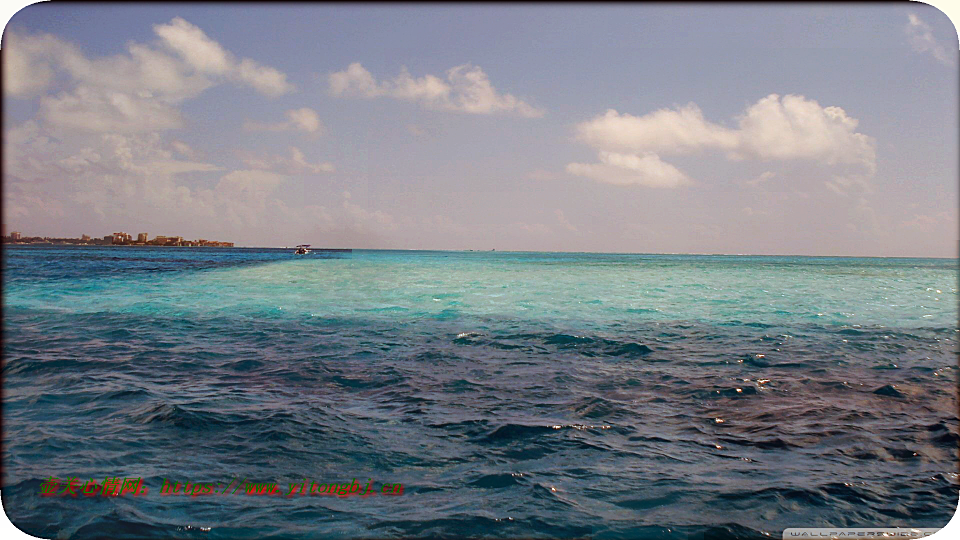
[(517, 252)]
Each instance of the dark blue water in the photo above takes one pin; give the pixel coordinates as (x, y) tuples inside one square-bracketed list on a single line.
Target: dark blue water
[(511, 394)]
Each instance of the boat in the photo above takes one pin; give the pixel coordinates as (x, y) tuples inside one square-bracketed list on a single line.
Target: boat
[(302, 249)]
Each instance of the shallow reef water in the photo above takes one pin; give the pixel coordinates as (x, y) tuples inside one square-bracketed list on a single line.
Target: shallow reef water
[(513, 395)]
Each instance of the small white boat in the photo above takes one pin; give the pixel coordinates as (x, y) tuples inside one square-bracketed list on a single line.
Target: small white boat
[(302, 249)]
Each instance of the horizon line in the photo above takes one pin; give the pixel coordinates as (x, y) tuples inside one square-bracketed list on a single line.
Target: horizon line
[(955, 257)]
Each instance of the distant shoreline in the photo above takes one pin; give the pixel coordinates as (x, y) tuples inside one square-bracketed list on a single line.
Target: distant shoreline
[(113, 245), (609, 253)]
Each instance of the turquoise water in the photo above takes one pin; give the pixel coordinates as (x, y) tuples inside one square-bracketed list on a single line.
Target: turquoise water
[(513, 394)]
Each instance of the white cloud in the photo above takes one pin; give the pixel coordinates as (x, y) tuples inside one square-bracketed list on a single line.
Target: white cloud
[(207, 56), (798, 128), (473, 93), (466, 89), (184, 149), (304, 119), (921, 39), (354, 81), (114, 180), (773, 129), (300, 163), (93, 109), (202, 53), (109, 175), (178, 167), (853, 184), (32, 62), (628, 169), (138, 91), (79, 161), (294, 164), (27, 69), (263, 79), (32, 155), (663, 131)]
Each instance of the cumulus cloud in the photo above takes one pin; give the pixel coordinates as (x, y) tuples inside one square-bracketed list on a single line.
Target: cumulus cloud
[(207, 56), (137, 91), (628, 169), (921, 39), (108, 175), (27, 68), (304, 119), (99, 110), (201, 52), (293, 164), (773, 129), (263, 79), (116, 178), (663, 131), (465, 88), (798, 128), (31, 155)]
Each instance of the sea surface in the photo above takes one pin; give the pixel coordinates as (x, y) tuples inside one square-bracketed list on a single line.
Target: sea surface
[(513, 395)]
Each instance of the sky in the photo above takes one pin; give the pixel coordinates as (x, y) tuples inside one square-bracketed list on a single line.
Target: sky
[(742, 129)]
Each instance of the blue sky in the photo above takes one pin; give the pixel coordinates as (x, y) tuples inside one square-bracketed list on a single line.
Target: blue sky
[(802, 129)]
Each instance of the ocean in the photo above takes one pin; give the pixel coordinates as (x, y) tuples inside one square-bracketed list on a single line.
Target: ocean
[(511, 395)]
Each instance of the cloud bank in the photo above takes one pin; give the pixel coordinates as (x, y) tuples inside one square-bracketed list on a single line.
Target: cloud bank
[(138, 91), (98, 144)]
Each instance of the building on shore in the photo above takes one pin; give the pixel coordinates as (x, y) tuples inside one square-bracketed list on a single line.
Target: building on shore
[(161, 240), (115, 239)]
